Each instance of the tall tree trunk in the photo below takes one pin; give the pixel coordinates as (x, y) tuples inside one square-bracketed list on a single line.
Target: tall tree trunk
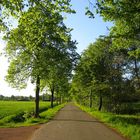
[(37, 97), (57, 98), (60, 99), (52, 97), (100, 103), (136, 68), (137, 72), (90, 104)]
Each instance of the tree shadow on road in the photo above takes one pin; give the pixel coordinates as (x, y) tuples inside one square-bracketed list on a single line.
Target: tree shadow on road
[(75, 120), (72, 110)]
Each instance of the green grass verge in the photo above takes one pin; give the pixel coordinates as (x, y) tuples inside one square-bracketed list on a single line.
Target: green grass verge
[(23, 114), (45, 116), (127, 125)]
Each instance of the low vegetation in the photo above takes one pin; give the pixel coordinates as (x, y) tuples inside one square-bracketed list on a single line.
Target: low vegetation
[(14, 114), (127, 125), (45, 116), (8, 108)]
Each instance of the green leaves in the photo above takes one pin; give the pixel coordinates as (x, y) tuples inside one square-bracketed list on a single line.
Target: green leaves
[(108, 73), (41, 46), (17, 8), (126, 17), (89, 13)]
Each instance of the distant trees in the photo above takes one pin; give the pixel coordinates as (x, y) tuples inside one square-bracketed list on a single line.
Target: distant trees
[(16, 98)]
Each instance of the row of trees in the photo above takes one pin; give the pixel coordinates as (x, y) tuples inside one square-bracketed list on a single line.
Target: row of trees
[(109, 78), (40, 47), (16, 98), (108, 73), (43, 97)]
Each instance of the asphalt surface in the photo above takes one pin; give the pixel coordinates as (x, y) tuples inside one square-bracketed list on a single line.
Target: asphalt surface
[(71, 123)]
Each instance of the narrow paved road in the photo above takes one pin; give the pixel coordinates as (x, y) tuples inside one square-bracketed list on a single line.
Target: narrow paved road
[(71, 123)]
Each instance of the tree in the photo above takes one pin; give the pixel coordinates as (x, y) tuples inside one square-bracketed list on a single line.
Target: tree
[(33, 45), (59, 72), (106, 76), (93, 69), (124, 13), (124, 36), (125, 16), (16, 8)]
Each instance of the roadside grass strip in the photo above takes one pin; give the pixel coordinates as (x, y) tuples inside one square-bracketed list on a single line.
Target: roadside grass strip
[(127, 125), (22, 113), (45, 116)]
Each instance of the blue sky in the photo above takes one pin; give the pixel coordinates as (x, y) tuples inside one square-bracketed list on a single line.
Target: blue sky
[(85, 31)]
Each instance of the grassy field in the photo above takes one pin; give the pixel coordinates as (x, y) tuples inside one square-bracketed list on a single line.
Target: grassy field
[(18, 113), (14, 107), (127, 125)]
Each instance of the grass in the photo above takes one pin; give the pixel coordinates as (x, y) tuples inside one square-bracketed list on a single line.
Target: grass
[(14, 114), (127, 125), (8, 108), (45, 116)]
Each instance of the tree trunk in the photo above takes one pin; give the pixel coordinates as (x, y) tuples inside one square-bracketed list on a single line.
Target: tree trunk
[(57, 98), (136, 68), (37, 97), (100, 103), (137, 72), (60, 100), (52, 97), (90, 104)]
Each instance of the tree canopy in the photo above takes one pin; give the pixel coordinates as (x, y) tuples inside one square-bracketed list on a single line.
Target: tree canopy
[(39, 47), (107, 75)]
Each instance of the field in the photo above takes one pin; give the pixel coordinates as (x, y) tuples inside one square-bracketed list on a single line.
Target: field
[(127, 125), (14, 107), (21, 113)]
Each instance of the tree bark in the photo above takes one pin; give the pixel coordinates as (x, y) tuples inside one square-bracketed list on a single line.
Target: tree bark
[(60, 100), (136, 68), (90, 104), (37, 97), (52, 97), (57, 98), (100, 103), (137, 72)]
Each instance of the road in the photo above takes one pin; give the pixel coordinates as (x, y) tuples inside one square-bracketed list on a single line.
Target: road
[(71, 123)]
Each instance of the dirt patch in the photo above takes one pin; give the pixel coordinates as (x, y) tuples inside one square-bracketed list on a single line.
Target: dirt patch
[(20, 133)]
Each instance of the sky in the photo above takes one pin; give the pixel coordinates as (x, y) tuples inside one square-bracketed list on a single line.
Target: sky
[(85, 31)]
